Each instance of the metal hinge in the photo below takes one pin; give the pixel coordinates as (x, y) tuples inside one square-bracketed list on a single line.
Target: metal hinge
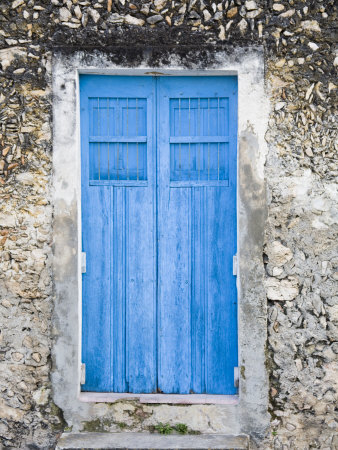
[(234, 265), (236, 377), (83, 374), (83, 262)]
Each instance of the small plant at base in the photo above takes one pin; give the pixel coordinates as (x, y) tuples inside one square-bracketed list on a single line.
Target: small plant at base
[(181, 428), (164, 428), (274, 433)]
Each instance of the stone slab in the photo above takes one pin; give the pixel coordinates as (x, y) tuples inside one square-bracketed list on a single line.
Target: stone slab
[(116, 441), (181, 399)]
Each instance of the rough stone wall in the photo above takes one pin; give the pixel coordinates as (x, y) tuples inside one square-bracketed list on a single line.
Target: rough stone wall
[(301, 172), (301, 240)]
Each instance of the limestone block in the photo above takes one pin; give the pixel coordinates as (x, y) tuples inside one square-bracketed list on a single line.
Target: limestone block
[(41, 396), (250, 5), (65, 15), (130, 20), (7, 220), (9, 413), (283, 290), (278, 254), (311, 25), (332, 312)]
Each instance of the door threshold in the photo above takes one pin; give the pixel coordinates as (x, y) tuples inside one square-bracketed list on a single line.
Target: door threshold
[(186, 399), (133, 441)]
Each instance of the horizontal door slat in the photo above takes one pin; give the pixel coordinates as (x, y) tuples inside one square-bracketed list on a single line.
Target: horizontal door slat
[(117, 139), (197, 139)]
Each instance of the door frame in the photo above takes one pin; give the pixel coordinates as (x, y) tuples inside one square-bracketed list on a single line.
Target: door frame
[(248, 66)]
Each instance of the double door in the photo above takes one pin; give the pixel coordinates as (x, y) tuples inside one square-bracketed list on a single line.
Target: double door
[(159, 301)]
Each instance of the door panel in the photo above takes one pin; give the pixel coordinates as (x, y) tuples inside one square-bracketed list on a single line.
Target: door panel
[(174, 294), (221, 339), (197, 234), (119, 286), (141, 294), (96, 317)]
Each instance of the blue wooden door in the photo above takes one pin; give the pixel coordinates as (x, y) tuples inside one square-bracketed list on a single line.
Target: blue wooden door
[(197, 342), (118, 233), (159, 232)]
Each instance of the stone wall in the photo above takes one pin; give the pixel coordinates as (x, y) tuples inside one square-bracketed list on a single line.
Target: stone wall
[(301, 173)]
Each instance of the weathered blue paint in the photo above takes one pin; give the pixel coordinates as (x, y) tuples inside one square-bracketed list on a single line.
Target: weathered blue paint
[(159, 230), (197, 348), (118, 233)]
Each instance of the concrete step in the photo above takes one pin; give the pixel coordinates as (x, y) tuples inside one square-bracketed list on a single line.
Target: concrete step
[(147, 441)]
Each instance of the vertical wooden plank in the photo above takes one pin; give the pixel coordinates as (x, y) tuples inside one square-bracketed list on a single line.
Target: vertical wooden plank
[(141, 300), (118, 298), (198, 290), (175, 293), (174, 269), (221, 319), (221, 356), (141, 256), (96, 340), (96, 286)]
